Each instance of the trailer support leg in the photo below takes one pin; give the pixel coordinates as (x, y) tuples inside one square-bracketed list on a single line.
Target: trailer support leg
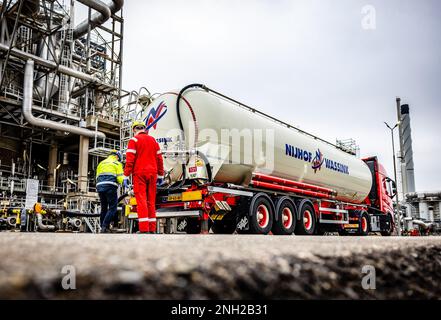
[(204, 223)]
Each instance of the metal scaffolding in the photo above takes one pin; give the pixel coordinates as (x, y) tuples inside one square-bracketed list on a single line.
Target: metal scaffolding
[(76, 95)]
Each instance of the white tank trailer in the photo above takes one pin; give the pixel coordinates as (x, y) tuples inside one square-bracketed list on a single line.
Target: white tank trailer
[(238, 141)]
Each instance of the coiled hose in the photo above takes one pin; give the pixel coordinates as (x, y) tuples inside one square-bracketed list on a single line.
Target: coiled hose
[(181, 126)]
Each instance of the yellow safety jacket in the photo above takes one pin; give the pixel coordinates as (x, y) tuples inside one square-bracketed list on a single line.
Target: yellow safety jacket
[(109, 172)]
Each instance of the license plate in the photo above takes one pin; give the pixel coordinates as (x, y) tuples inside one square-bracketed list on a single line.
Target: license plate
[(351, 226), (174, 197)]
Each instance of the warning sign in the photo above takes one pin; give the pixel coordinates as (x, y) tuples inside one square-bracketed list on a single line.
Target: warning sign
[(31, 193)]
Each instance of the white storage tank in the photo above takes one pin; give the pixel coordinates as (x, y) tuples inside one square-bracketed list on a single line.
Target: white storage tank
[(238, 141)]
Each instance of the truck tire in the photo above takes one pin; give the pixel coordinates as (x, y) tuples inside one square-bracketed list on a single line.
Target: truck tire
[(261, 215), (285, 223), (224, 227), (307, 224), (364, 224), (342, 233), (193, 226), (389, 232)]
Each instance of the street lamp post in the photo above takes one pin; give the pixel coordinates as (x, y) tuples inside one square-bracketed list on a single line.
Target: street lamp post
[(395, 177)]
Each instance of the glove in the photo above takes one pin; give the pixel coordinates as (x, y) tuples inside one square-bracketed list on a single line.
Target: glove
[(126, 183), (160, 182)]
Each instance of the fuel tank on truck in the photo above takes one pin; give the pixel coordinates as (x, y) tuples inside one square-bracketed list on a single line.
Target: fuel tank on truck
[(238, 141)]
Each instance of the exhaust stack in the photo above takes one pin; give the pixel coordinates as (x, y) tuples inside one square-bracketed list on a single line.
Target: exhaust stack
[(407, 164)]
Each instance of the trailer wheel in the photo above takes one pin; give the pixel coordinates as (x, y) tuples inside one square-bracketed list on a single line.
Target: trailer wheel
[(363, 224), (285, 223), (307, 224), (342, 233), (193, 226), (388, 233), (223, 227), (261, 215)]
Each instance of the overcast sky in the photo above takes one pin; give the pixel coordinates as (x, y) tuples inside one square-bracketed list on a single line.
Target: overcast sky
[(310, 63)]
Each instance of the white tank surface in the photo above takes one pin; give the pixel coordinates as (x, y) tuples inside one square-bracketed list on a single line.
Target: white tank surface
[(239, 141)]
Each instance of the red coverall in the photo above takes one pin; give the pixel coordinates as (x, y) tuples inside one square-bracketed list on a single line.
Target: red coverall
[(144, 161)]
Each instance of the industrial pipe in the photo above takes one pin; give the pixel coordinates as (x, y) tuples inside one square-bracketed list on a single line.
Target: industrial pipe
[(76, 223), (52, 65), (98, 18), (423, 195), (27, 109), (12, 221), (41, 226), (423, 224)]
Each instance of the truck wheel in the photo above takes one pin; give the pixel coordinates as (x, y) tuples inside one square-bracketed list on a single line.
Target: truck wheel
[(261, 215), (342, 233), (306, 225), (389, 232), (285, 223), (223, 227), (193, 226), (363, 224)]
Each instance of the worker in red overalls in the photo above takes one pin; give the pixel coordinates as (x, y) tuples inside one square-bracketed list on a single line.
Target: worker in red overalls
[(144, 161)]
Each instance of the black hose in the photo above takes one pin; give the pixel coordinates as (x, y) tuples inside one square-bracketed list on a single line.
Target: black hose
[(178, 102), (123, 197), (181, 126), (207, 166)]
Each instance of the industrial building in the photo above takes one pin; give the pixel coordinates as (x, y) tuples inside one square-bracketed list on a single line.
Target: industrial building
[(421, 210), (61, 102)]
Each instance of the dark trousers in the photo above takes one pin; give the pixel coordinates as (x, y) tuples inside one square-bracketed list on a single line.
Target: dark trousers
[(109, 205)]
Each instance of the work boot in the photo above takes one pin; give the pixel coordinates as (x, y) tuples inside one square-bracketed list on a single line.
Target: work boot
[(105, 230)]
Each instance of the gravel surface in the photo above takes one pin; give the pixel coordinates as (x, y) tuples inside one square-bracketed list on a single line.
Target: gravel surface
[(217, 267)]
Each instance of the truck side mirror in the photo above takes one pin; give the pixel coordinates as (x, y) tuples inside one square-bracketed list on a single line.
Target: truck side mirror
[(394, 188)]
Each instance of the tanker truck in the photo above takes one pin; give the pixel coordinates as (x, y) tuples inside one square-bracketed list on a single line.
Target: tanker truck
[(231, 168)]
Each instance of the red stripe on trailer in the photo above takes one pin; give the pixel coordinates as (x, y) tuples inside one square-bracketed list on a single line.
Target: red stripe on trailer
[(265, 178), (271, 186)]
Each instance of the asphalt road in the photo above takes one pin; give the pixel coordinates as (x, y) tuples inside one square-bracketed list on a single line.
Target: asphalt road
[(217, 267)]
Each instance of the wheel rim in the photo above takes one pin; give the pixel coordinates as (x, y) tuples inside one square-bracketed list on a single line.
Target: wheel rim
[(262, 216), (307, 220), (287, 218), (364, 224)]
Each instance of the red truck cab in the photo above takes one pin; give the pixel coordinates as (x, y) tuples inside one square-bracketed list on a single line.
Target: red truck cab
[(379, 200)]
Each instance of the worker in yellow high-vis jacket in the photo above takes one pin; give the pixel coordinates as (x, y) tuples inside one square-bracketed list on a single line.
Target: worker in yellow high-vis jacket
[(110, 174)]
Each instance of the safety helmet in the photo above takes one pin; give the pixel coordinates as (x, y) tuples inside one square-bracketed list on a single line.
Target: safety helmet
[(117, 154), (138, 124)]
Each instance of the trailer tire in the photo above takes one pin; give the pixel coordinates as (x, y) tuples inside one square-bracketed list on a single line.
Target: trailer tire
[(193, 226), (223, 227), (363, 229), (286, 213), (261, 215), (343, 233), (307, 224)]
